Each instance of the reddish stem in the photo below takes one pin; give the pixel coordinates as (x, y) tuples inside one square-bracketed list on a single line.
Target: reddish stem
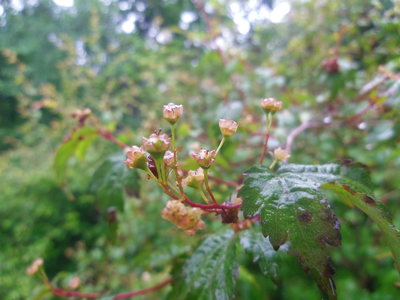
[(108, 136), (63, 293), (210, 206), (264, 154), (144, 291)]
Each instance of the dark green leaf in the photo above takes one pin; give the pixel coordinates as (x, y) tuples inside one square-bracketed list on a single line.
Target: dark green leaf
[(209, 272), (371, 208), (110, 181), (293, 208), (261, 250)]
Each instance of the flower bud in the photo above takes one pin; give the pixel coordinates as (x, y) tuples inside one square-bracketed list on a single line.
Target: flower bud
[(169, 160), (194, 178), (156, 144), (205, 158), (228, 127), (271, 105), (172, 112), (74, 283), (136, 158), (184, 217), (37, 263), (281, 154)]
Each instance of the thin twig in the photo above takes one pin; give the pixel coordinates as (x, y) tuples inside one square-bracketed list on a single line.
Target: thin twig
[(143, 291), (298, 130)]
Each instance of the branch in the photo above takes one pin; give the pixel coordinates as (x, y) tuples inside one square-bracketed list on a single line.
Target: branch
[(144, 291), (297, 131), (63, 293)]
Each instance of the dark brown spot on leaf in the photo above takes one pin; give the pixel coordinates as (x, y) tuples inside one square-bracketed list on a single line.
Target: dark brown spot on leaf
[(369, 200), (305, 217)]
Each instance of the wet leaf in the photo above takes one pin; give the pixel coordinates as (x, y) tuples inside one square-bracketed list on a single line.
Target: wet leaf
[(261, 250), (293, 208), (111, 180), (209, 273), (375, 211)]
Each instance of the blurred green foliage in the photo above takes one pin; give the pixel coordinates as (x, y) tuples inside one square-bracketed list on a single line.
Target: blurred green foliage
[(219, 61)]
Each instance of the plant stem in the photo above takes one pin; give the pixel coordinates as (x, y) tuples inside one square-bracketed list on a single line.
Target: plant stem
[(265, 151), (220, 146), (208, 186), (143, 291), (203, 195), (272, 165), (178, 178), (162, 185)]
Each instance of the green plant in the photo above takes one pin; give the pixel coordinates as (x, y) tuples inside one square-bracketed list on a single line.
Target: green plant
[(285, 202)]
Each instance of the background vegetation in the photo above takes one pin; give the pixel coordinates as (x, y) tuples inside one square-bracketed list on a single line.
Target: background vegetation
[(334, 64)]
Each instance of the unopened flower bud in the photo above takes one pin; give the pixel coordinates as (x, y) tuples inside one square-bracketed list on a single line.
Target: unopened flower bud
[(156, 144), (194, 178), (81, 113), (228, 127), (281, 154), (136, 158), (169, 160), (205, 158), (172, 112), (75, 283), (184, 217), (271, 105), (37, 263)]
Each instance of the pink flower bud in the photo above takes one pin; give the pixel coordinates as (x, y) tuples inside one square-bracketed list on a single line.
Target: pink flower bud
[(172, 112), (37, 263), (194, 178), (184, 217), (271, 105), (169, 160), (136, 158), (205, 158), (156, 144), (75, 283), (228, 127), (281, 154)]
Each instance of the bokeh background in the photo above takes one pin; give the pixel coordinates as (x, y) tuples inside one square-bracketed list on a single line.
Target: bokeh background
[(334, 64)]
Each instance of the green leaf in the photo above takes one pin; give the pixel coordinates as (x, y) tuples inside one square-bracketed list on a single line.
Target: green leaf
[(261, 250), (371, 208), (293, 208), (110, 181), (84, 136), (209, 273)]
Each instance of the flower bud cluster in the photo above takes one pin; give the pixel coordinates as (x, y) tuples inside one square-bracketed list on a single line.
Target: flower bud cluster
[(184, 217), (37, 263), (271, 105)]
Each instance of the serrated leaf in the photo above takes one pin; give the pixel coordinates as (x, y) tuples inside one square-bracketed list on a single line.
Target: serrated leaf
[(293, 208), (371, 208), (110, 181), (83, 136), (261, 251), (209, 273)]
